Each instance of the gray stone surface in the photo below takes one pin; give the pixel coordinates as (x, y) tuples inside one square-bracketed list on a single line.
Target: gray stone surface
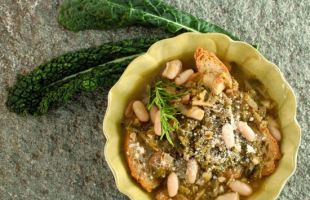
[(59, 155)]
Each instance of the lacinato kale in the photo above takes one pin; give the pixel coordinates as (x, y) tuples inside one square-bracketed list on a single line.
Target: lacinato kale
[(57, 80), (77, 15)]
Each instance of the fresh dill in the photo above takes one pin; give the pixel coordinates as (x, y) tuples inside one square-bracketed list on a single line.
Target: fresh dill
[(160, 97)]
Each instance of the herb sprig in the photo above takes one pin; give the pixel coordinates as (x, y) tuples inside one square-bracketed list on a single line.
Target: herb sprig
[(160, 97)]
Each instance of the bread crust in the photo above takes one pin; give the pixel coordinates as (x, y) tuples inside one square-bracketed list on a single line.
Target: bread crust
[(137, 169), (273, 153)]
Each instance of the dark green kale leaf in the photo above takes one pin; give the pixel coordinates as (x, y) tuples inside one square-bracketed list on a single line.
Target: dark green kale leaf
[(100, 76), (77, 15), (85, 69)]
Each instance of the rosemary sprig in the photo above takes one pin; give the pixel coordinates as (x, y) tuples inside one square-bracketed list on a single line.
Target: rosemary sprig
[(162, 99)]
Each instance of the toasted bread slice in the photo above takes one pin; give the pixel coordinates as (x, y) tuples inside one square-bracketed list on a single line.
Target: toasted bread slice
[(137, 162), (216, 75), (273, 153)]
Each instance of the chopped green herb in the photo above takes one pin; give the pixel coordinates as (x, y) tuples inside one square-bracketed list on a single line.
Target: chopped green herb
[(162, 99)]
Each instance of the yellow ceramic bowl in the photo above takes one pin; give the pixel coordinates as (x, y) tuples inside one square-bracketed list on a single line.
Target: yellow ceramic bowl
[(144, 68)]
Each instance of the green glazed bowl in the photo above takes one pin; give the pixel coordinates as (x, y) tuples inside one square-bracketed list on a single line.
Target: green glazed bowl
[(141, 71)]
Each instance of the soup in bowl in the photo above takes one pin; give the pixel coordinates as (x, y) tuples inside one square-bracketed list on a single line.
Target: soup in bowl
[(201, 116)]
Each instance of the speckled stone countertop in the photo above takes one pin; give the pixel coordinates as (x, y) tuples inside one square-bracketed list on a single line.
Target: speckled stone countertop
[(59, 155)]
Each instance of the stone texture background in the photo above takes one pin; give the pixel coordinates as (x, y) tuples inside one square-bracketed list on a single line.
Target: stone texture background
[(59, 155)]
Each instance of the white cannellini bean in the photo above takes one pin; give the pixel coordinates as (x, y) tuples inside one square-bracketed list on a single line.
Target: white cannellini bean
[(275, 132), (172, 184), (273, 127), (228, 135), (173, 68), (140, 111), (183, 77), (153, 112), (246, 131), (194, 112), (157, 125), (241, 187), (228, 196), (191, 170)]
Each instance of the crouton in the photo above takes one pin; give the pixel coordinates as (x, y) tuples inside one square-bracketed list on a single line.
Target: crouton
[(134, 155), (273, 153)]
